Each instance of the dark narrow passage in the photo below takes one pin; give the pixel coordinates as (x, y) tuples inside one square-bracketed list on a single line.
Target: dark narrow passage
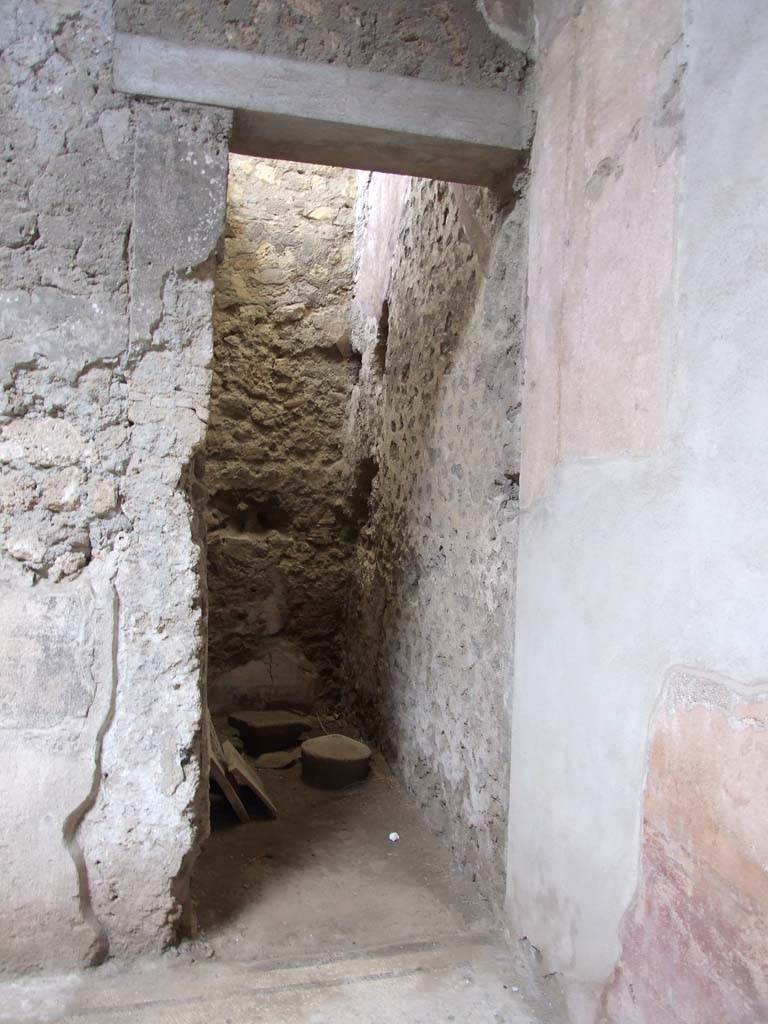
[(282, 382), (360, 530)]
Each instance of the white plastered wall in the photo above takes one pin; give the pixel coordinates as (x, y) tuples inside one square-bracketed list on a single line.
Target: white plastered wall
[(643, 538)]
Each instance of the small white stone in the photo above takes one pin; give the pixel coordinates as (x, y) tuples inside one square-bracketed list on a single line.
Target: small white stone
[(321, 213), (45, 442), (265, 172), (394, 837), (26, 547), (68, 564), (114, 128)]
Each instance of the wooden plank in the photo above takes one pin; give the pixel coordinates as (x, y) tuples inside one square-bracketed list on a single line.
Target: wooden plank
[(218, 772), (323, 113), (213, 740), (219, 776), (244, 775)]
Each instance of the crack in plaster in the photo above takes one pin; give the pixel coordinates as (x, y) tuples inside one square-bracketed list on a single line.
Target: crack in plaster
[(76, 817)]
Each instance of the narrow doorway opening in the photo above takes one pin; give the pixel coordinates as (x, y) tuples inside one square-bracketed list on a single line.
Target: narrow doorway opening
[(361, 533)]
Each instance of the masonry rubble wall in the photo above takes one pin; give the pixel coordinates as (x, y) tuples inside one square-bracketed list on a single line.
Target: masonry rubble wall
[(112, 208), (457, 41), (434, 452), (111, 213), (639, 662), (278, 527)]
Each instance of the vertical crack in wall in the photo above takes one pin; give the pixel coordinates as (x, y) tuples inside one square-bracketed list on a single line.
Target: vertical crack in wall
[(99, 950)]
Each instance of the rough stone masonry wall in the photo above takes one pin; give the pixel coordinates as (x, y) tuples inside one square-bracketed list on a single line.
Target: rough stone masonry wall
[(110, 212), (461, 41), (434, 439), (278, 530)]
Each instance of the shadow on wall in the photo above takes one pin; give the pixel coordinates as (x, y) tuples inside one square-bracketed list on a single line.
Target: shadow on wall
[(434, 434)]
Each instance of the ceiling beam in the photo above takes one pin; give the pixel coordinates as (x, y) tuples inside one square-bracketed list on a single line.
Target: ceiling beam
[(328, 114)]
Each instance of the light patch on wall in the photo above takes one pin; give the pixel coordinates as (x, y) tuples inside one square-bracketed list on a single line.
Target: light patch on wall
[(47, 652)]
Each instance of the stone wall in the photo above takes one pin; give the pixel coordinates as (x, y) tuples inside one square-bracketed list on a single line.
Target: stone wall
[(443, 40), (278, 529), (111, 211), (641, 613), (434, 444)]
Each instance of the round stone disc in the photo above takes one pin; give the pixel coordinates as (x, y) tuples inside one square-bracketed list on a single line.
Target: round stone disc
[(334, 761)]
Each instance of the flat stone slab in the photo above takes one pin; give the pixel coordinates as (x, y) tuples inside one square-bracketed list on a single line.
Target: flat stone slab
[(334, 761), (265, 731), (279, 758)]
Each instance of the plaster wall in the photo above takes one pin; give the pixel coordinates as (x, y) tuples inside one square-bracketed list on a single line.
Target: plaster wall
[(283, 371), (438, 319), (642, 533), (111, 211)]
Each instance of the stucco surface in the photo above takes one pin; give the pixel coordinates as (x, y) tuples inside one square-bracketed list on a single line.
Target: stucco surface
[(150, 813), (111, 210), (439, 311), (631, 565), (602, 240), (694, 942), (278, 528)]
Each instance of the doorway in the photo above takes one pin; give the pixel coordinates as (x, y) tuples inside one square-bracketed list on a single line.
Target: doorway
[(361, 471)]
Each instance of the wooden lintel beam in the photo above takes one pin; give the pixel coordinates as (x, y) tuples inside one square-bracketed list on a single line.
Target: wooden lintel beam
[(327, 114)]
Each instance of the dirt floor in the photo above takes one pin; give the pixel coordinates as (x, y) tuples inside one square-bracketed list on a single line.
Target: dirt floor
[(324, 877), (316, 917)]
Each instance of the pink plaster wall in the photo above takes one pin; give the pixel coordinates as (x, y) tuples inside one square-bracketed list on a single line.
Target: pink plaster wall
[(643, 489), (695, 942), (603, 196)]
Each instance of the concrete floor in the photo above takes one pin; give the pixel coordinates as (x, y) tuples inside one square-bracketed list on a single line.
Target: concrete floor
[(315, 918)]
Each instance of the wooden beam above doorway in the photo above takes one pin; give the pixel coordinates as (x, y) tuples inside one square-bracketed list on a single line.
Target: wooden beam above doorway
[(327, 114)]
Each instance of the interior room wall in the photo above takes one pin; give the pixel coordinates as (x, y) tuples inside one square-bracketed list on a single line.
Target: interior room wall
[(275, 475), (434, 445)]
